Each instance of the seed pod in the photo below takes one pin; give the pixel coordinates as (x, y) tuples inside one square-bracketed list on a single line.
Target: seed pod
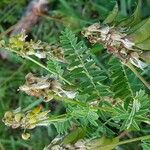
[(25, 136), (8, 115), (18, 117)]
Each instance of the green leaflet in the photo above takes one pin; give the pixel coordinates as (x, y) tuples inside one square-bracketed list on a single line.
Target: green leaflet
[(136, 15), (136, 112), (120, 84), (112, 15), (74, 136), (145, 45), (82, 68), (103, 143), (54, 66), (62, 127), (130, 120), (142, 33), (134, 19), (137, 26), (146, 145), (84, 115)]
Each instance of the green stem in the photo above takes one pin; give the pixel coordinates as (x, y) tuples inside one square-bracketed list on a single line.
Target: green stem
[(129, 65), (146, 137), (77, 102), (124, 142), (51, 119), (42, 66), (50, 17)]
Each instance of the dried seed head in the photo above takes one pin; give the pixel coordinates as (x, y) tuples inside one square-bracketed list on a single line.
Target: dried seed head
[(43, 86), (116, 42)]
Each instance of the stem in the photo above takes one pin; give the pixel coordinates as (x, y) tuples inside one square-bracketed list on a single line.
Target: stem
[(129, 65), (124, 142), (60, 20), (50, 17), (51, 119), (77, 102), (134, 140), (42, 66), (121, 135)]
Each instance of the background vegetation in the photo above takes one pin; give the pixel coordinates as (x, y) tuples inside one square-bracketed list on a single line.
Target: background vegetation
[(74, 14)]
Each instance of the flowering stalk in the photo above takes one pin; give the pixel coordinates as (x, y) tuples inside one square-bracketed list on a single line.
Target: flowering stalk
[(30, 119), (18, 45)]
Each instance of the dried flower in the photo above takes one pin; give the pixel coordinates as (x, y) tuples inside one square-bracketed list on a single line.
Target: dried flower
[(116, 42), (135, 60), (42, 86)]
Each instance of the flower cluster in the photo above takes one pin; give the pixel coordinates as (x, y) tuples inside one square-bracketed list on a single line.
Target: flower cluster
[(115, 40), (26, 120), (43, 86), (42, 50)]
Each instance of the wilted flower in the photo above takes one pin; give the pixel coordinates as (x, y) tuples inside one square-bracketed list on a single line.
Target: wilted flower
[(116, 42), (42, 86), (135, 60)]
